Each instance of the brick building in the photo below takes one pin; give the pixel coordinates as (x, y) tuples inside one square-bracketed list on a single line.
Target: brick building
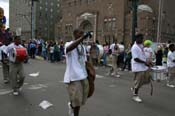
[(103, 18), (108, 19)]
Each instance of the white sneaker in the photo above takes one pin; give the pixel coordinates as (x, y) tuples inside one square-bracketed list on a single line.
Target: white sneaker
[(71, 112), (137, 99), (15, 93), (171, 86), (118, 76)]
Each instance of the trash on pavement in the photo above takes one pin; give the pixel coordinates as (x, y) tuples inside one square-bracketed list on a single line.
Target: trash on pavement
[(45, 104), (34, 74)]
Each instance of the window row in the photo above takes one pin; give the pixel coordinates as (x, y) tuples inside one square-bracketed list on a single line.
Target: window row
[(79, 2)]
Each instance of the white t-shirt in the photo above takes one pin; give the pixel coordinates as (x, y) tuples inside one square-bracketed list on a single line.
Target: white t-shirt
[(51, 49), (137, 52), (10, 47), (75, 64), (121, 47), (4, 50), (171, 57), (1, 53), (112, 47), (148, 52)]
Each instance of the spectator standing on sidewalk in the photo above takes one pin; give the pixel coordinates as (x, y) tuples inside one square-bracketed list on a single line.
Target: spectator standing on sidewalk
[(115, 53), (171, 66)]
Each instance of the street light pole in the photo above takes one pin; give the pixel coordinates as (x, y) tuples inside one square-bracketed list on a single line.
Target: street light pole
[(134, 18), (33, 19), (159, 21)]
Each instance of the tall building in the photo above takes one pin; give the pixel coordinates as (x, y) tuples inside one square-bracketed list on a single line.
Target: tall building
[(110, 19), (168, 21), (20, 17), (47, 15)]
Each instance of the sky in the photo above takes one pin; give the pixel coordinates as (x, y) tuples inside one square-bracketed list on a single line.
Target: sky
[(5, 5)]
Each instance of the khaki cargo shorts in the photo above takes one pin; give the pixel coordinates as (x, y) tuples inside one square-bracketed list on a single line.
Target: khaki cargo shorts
[(78, 92), (171, 73)]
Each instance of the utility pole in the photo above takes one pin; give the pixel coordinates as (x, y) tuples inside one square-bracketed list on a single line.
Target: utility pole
[(33, 19), (134, 18), (159, 21)]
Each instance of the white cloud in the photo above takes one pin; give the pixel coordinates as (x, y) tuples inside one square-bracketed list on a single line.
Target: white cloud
[(5, 5)]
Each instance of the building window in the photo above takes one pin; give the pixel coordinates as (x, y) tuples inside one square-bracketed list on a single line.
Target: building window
[(46, 9), (69, 4), (39, 14), (75, 2), (109, 24), (68, 29), (46, 3)]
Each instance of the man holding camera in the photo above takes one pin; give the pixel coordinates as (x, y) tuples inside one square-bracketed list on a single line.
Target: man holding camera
[(76, 74)]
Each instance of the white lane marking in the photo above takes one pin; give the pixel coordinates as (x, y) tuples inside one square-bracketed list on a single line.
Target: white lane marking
[(25, 83), (37, 86), (34, 74), (112, 86), (99, 76), (5, 91)]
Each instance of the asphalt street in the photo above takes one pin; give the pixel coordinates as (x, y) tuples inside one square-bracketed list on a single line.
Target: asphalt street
[(112, 95)]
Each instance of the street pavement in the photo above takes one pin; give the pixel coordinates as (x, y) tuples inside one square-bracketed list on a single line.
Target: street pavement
[(112, 95)]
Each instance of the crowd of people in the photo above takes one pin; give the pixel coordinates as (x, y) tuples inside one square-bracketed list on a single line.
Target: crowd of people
[(48, 50)]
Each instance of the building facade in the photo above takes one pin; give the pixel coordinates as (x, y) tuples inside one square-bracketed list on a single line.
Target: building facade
[(109, 19), (20, 17), (47, 15), (104, 19)]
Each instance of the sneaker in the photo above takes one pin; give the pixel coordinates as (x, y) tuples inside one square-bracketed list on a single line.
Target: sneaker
[(137, 99), (6, 81), (117, 76), (71, 113), (171, 86), (15, 93)]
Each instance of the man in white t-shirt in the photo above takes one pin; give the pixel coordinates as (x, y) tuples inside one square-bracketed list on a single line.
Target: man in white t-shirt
[(171, 66), (16, 71), (76, 75), (139, 67)]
